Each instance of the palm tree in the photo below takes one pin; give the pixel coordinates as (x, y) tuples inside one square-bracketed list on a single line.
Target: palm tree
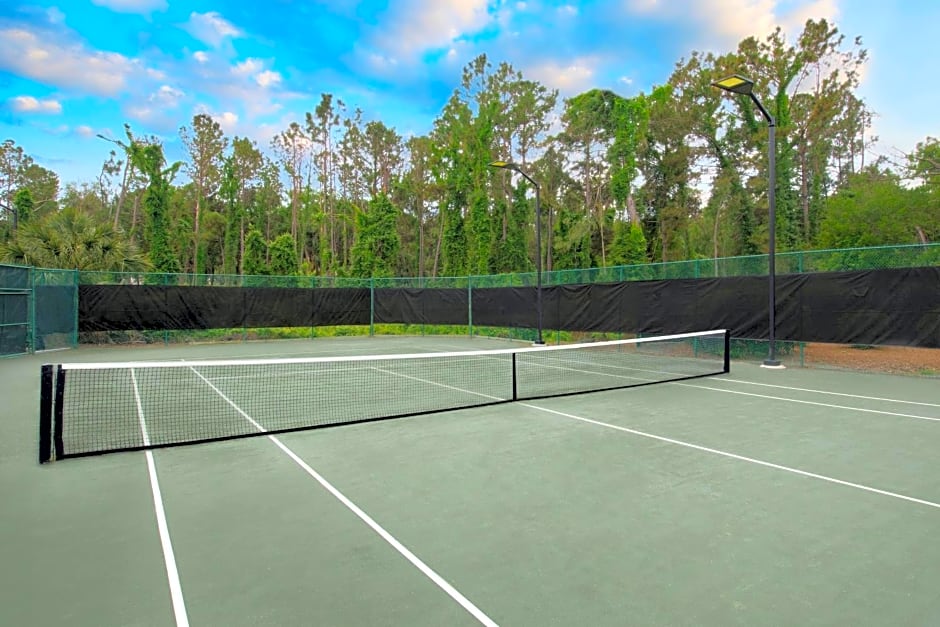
[(73, 240)]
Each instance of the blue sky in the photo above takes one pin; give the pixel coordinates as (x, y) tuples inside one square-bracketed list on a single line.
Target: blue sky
[(71, 69)]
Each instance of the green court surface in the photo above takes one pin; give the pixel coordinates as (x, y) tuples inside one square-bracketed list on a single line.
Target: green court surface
[(757, 497)]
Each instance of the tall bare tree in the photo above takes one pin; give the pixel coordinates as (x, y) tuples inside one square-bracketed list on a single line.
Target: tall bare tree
[(206, 143)]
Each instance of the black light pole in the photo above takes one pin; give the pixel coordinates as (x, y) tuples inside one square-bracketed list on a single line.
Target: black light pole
[(507, 165), (739, 85)]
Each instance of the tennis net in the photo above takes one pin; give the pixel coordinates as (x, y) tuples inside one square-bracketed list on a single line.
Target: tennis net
[(92, 408)]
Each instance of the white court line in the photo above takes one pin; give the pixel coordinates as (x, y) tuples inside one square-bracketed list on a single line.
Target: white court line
[(443, 385), (363, 516), (169, 560), (776, 398), (751, 460), (802, 402), (867, 398)]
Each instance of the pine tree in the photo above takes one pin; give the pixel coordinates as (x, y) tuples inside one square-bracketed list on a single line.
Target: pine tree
[(256, 252), (375, 253), (283, 254), (629, 245)]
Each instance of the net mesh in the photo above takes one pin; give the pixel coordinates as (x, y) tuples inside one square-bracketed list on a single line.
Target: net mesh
[(106, 407)]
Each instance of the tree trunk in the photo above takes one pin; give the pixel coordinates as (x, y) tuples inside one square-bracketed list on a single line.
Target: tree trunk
[(120, 203), (241, 248), (294, 201), (134, 215), (550, 238), (715, 233), (420, 212), (804, 194), (440, 239), (196, 236)]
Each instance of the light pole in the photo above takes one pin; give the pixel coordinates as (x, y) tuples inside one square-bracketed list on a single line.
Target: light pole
[(508, 165), (739, 85)]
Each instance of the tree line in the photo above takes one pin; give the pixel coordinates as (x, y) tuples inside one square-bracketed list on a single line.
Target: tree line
[(677, 173)]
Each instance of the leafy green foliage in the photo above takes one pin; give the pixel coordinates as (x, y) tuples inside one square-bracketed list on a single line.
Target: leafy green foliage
[(680, 172), (629, 245), (375, 252), (283, 254), (511, 254), (874, 209), (256, 253), (23, 205), (73, 240)]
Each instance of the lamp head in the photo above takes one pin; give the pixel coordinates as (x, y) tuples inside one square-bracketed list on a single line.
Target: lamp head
[(736, 84)]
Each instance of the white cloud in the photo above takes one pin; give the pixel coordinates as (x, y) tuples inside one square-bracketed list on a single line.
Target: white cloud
[(201, 56), (46, 60), (248, 85), (159, 110), (211, 28), (247, 67), (378, 62), (227, 120), (54, 15), (796, 19), (254, 69), (167, 96), (267, 78), (28, 104), (84, 130), (141, 113), (414, 26), (626, 80), (726, 22), (144, 7), (568, 10), (568, 78), (156, 75)]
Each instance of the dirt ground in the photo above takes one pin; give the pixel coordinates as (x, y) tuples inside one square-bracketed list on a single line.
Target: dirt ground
[(894, 359)]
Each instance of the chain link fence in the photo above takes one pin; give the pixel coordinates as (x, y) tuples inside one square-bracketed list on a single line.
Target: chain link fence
[(38, 308)]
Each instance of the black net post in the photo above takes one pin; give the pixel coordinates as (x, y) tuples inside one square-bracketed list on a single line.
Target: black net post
[(727, 365), (58, 405), (45, 414)]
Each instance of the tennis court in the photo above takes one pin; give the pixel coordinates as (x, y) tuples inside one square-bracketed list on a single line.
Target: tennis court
[(753, 497)]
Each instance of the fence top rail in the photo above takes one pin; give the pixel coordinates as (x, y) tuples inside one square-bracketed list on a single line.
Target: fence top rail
[(839, 258)]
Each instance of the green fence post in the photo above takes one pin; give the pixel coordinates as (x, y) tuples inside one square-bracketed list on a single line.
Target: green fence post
[(31, 312), (73, 339), (166, 332), (470, 305), (371, 306), (422, 284)]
